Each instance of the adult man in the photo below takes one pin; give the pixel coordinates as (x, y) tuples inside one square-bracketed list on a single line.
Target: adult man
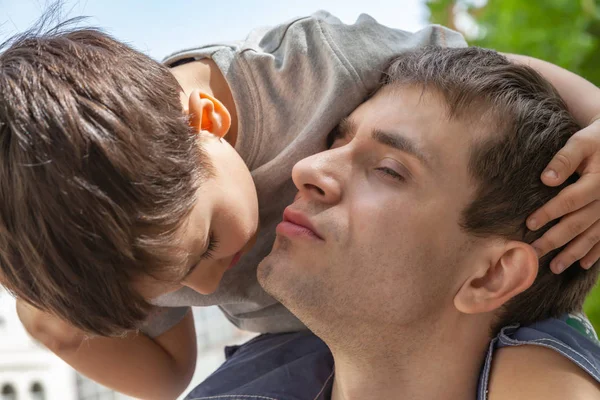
[(404, 277)]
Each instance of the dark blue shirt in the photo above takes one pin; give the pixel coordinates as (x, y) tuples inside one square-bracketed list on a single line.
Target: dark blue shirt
[(299, 366)]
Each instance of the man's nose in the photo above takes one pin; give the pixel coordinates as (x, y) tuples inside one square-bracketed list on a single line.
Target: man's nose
[(317, 178)]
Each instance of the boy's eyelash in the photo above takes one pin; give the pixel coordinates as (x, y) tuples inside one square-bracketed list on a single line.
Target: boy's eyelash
[(208, 254), (213, 242)]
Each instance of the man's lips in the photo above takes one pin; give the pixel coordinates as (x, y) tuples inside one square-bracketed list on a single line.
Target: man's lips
[(297, 224)]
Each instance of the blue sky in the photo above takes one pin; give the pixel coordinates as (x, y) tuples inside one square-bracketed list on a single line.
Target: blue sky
[(158, 27)]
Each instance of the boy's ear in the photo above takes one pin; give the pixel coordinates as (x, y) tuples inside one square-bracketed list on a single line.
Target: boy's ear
[(208, 114), (509, 269)]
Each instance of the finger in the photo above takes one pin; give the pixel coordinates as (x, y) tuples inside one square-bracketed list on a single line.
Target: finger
[(577, 249), (566, 161), (591, 257), (567, 229), (570, 199)]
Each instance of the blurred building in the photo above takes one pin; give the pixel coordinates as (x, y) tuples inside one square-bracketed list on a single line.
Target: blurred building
[(29, 372), (26, 371)]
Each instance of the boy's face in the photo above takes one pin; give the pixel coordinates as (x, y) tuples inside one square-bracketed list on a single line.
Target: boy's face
[(220, 228)]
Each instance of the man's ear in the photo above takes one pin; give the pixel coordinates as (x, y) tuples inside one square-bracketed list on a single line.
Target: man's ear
[(208, 114), (509, 269)]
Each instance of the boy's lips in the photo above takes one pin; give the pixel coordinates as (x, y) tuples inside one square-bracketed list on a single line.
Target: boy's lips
[(239, 254), (235, 259)]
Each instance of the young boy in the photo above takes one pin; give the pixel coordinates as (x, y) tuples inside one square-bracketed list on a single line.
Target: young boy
[(110, 202)]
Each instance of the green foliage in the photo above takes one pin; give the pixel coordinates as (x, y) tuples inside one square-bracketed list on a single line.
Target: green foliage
[(592, 307), (563, 32)]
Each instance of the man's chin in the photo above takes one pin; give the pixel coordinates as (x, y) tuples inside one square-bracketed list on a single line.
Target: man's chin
[(264, 271), (274, 274), (286, 270), (266, 266), (299, 294)]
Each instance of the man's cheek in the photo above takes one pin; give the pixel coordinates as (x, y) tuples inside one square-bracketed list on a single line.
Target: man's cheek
[(368, 216)]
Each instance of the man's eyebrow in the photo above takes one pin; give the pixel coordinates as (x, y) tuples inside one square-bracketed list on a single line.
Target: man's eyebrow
[(347, 129), (402, 143)]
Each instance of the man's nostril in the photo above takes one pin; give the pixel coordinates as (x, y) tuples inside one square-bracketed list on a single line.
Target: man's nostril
[(310, 186)]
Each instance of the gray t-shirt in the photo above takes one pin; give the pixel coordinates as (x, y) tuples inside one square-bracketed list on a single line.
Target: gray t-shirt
[(291, 85)]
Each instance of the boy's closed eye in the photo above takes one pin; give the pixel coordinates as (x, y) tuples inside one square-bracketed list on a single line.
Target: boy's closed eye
[(208, 254)]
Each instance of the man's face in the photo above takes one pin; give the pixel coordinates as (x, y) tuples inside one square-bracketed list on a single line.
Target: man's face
[(383, 205)]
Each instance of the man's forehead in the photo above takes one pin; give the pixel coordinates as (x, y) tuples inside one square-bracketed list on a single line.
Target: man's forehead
[(405, 106)]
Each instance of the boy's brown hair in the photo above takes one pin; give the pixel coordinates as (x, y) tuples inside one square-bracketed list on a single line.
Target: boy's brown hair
[(98, 168), (527, 124)]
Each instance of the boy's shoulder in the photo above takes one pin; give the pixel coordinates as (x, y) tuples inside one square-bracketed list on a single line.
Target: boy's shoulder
[(366, 35), (265, 38)]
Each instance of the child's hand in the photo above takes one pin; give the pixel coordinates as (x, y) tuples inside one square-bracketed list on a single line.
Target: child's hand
[(578, 203), (52, 332)]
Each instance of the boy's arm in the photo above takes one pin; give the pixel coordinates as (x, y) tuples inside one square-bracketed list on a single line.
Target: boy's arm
[(582, 97), (157, 368)]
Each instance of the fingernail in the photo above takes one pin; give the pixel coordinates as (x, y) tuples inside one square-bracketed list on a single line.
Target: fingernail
[(586, 264), (559, 267), (550, 173), (532, 224)]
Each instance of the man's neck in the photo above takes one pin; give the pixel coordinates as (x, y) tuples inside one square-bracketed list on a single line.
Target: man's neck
[(206, 76), (436, 364)]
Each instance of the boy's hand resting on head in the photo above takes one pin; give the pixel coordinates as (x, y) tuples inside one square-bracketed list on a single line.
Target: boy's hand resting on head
[(54, 333), (578, 204)]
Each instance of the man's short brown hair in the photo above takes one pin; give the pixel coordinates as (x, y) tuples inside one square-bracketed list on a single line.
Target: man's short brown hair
[(98, 167), (527, 124)]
